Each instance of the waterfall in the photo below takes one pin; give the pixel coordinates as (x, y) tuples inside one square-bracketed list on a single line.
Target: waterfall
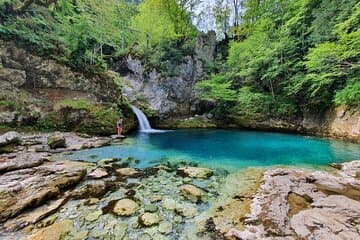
[(143, 121)]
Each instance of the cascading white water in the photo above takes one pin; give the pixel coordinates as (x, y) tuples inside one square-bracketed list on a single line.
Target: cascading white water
[(143, 121)]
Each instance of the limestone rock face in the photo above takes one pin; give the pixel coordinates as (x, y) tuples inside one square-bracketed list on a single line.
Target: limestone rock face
[(333, 217), (195, 172), (305, 205), (21, 161), (125, 207), (173, 95), (31, 187), (9, 138), (22, 69)]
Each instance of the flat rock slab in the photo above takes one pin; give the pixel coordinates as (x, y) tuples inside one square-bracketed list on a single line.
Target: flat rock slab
[(9, 138), (333, 217), (30, 187), (305, 205), (21, 161), (34, 216)]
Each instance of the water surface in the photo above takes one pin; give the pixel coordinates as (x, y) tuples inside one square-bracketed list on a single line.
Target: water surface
[(230, 149)]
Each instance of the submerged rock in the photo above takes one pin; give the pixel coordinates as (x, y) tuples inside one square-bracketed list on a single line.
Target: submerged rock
[(191, 192), (93, 216), (186, 210), (127, 172), (125, 207), (98, 173), (54, 232), (195, 172), (165, 227), (149, 219)]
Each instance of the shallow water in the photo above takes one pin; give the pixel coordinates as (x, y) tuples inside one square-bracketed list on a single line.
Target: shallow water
[(229, 149)]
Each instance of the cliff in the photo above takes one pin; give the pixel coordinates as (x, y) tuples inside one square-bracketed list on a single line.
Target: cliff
[(40, 94)]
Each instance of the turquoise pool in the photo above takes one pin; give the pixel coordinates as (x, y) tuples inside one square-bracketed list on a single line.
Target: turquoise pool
[(229, 149)]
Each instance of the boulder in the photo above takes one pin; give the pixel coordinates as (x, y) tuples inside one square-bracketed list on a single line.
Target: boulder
[(149, 219), (191, 192), (56, 140), (125, 207), (186, 210), (195, 172), (9, 138), (127, 172), (98, 173)]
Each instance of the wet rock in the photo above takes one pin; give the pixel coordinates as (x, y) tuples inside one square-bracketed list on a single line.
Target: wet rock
[(54, 232), (125, 207), (56, 140), (106, 161), (21, 161), (127, 172), (91, 201), (91, 188), (31, 187), (155, 198), (150, 208), (98, 173), (169, 204), (333, 217), (195, 172), (149, 219), (120, 230), (9, 138), (34, 216), (93, 216), (165, 227), (186, 210), (80, 235), (191, 192)]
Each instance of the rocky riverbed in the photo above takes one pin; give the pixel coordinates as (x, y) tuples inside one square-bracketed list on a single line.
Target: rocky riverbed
[(41, 198)]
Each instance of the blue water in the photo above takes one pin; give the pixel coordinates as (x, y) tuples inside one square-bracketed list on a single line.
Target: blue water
[(227, 149)]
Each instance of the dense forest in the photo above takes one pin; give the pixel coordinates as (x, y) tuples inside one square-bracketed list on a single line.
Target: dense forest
[(274, 57)]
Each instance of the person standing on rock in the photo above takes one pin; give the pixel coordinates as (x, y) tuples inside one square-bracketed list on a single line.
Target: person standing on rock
[(120, 126)]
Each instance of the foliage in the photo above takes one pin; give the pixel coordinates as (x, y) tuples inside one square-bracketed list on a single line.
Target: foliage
[(291, 56)]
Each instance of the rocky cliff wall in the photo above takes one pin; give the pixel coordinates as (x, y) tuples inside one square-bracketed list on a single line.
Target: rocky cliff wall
[(41, 94), (169, 96), (22, 69)]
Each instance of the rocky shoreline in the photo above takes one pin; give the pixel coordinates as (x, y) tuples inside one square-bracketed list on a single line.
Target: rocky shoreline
[(41, 198)]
